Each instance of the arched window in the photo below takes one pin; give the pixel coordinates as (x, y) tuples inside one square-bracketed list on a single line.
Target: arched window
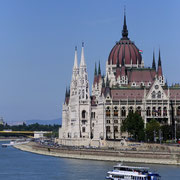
[(93, 115), (154, 111), (83, 94), (159, 111), (115, 128), (178, 111), (138, 110), (165, 111), (148, 111), (83, 114), (130, 109), (108, 111), (108, 129), (153, 94), (159, 94), (83, 129), (123, 111), (115, 111)]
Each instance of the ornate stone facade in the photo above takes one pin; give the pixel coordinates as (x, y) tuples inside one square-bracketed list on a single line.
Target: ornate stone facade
[(127, 87)]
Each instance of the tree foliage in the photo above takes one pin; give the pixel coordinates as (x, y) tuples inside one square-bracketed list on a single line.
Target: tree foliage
[(152, 129), (134, 125), (166, 132)]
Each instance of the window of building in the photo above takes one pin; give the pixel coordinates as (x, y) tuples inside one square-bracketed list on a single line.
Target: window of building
[(83, 129), (115, 111), (123, 111), (159, 94), (148, 111), (83, 114), (115, 128), (165, 111), (130, 109), (108, 121), (153, 94), (159, 111), (93, 115), (83, 94), (116, 121), (108, 111), (138, 110), (108, 129), (154, 111)]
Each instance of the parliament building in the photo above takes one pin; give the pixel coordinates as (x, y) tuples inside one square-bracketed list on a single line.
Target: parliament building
[(127, 86)]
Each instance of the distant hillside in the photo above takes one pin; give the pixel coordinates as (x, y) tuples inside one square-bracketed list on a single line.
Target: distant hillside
[(44, 122)]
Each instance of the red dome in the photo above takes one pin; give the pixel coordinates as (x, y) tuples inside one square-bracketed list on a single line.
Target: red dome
[(125, 49)]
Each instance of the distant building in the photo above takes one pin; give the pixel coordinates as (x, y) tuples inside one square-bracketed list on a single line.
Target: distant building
[(1, 121), (128, 86)]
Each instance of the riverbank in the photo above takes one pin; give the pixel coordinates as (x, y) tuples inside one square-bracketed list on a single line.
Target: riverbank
[(104, 155), (8, 139)]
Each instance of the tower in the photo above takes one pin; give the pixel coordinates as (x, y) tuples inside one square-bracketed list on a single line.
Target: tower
[(75, 75), (159, 71), (97, 83), (84, 98)]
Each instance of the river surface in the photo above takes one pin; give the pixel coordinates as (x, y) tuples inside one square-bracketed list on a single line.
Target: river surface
[(19, 165)]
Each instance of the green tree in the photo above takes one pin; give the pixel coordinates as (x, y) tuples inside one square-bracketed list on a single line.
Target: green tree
[(166, 132), (134, 125), (152, 129)]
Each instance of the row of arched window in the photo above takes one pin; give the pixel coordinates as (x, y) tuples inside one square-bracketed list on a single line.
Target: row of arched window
[(156, 112), (123, 111), (149, 112)]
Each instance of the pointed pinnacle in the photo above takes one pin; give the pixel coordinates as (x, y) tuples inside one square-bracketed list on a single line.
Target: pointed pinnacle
[(82, 63), (159, 61), (125, 30), (99, 69), (95, 70), (153, 63)]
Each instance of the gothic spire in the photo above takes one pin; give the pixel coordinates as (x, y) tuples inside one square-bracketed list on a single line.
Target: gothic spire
[(82, 63), (99, 69), (159, 72), (75, 59), (153, 63), (159, 61), (95, 70), (125, 30)]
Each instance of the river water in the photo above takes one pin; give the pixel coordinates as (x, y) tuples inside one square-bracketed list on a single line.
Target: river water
[(19, 165)]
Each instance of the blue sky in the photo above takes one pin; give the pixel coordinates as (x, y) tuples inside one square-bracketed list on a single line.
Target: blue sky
[(37, 40)]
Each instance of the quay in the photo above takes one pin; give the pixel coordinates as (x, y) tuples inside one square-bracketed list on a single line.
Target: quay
[(138, 156)]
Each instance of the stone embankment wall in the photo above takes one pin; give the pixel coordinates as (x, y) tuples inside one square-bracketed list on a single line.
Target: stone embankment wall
[(119, 145), (105, 154)]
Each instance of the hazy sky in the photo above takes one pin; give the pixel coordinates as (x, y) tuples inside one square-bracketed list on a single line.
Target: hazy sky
[(37, 40)]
